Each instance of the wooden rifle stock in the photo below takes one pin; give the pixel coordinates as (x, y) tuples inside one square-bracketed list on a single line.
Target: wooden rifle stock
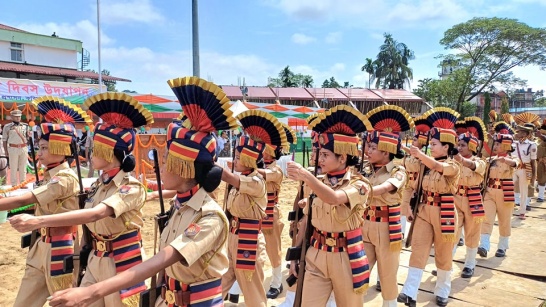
[(148, 297), (488, 169), (305, 243), (418, 193)]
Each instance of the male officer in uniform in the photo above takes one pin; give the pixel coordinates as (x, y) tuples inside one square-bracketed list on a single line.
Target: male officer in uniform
[(541, 162), (15, 136), (526, 151)]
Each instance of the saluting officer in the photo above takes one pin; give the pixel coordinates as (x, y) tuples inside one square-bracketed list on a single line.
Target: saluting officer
[(15, 135), (526, 152)]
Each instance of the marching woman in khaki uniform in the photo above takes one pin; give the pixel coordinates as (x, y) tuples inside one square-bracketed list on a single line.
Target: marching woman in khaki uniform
[(541, 162), (193, 251), (468, 199), (382, 230), (56, 194), (112, 210), (412, 165), (499, 196), (246, 204), (336, 259), (272, 224), (436, 218)]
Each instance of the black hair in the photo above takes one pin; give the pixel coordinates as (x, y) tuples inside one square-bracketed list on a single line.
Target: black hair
[(208, 175), (260, 163), (351, 160), (278, 153), (451, 150), (127, 161)]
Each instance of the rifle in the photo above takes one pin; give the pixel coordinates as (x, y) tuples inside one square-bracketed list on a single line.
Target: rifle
[(228, 187), (294, 217), (28, 240), (83, 256), (303, 154), (361, 167), (306, 242), (148, 297), (417, 195)]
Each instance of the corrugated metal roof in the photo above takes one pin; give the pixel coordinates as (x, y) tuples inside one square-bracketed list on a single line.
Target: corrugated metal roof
[(4, 27), (55, 71)]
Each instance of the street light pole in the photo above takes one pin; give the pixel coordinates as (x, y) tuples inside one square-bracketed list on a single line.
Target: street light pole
[(98, 36), (195, 38)]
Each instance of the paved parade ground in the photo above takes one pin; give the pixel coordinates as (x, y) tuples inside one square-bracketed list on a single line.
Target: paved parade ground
[(517, 280)]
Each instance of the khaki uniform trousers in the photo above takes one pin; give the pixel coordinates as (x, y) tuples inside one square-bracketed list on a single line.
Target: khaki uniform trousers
[(324, 272), (427, 230), (273, 244), (18, 158), (466, 220), (405, 203), (493, 203), (253, 289), (99, 269), (541, 173), (36, 284), (377, 247)]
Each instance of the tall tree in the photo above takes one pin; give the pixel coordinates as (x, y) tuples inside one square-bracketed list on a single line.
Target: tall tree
[(307, 81), (486, 108), (369, 68), (287, 77), (488, 48), (505, 108), (110, 85), (391, 66)]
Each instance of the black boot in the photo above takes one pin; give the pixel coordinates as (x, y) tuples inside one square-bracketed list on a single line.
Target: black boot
[(233, 298), (482, 252), (406, 300), (378, 286), (274, 292), (500, 253), (467, 273), (441, 301)]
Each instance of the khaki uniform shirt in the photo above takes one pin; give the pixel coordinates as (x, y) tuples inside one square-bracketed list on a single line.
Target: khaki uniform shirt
[(250, 200), (126, 196), (541, 151), (11, 132), (395, 175), (412, 165), (527, 150), (342, 217), (445, 182), (500, 170), (197, 231), (273, 177), (470, 177), (57, 194)]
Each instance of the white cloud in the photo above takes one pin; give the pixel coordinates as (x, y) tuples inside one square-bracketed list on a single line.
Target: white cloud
[(84, 31), (302, 39), (337, 67), (127, 11), (379, 14), (333, 37)]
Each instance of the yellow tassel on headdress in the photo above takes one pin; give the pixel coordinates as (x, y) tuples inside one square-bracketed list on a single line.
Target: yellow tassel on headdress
[(388, 147), (59, 148), (61, 282), (269, 149), (344, 148), (447, 138), (103, 151), (180, 167), (248, 161)]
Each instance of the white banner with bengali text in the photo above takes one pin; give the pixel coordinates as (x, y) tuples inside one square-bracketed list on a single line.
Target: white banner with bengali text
[(24, 90)]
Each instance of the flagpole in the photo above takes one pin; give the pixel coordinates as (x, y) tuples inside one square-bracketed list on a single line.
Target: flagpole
[(98, 36), (195, 38)]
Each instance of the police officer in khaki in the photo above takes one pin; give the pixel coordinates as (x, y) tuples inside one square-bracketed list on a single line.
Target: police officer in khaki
[(382, 230), (541, 162), (15, 136)]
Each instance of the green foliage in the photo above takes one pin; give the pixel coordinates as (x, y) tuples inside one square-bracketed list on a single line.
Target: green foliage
[(441, 93), (391, 67), (467, 109), (486, 108), (332, 83), (110, 85), (488, 48), (541, 102), (505, 108), (287, 78)]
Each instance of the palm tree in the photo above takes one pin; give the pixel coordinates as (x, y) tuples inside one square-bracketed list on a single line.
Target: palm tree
[(287, 77), (307, 81), (369, 68), (392, 70)]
